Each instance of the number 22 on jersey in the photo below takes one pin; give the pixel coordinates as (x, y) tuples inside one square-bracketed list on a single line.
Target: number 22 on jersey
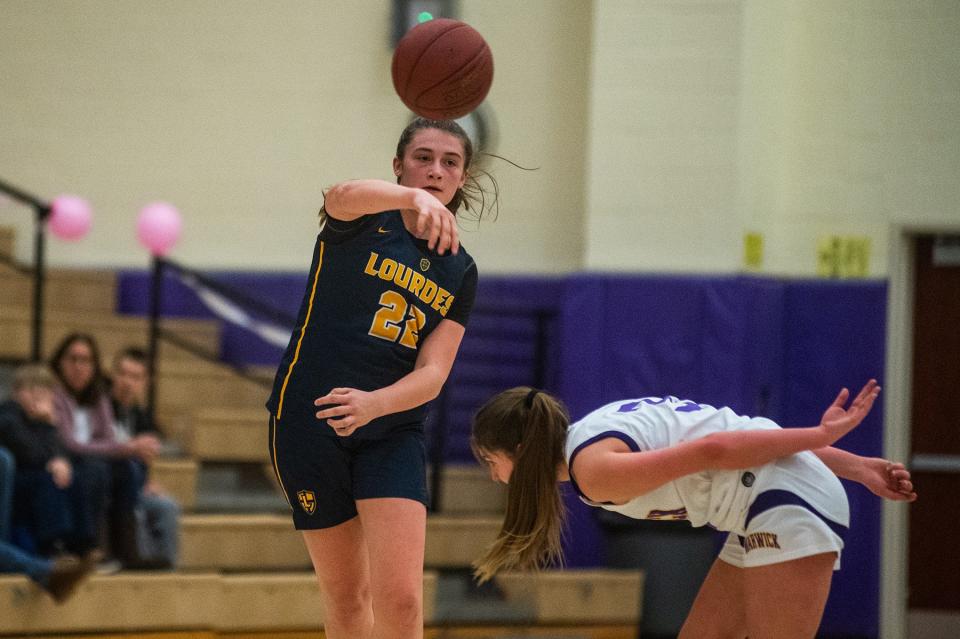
[(396, 318)]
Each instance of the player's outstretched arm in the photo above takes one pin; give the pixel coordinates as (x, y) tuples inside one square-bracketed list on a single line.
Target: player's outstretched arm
[(434, 222), (355, 198), (884, 478), (608, 471)]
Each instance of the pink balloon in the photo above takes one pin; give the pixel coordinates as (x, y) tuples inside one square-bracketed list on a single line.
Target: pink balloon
[(70, 217), (158, 227)]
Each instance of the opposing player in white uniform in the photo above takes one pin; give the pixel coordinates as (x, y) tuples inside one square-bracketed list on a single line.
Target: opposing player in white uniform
[(775, 490)]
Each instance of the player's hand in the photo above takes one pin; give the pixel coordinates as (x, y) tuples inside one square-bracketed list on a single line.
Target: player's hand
[(886, 479), (435, 223), (347, 409), (837, 421)]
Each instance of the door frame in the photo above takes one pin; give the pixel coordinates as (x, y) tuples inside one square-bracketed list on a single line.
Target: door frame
[(898, 381)]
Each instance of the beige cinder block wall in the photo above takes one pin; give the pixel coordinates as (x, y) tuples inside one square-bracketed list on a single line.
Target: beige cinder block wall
[(664, 129), (241, 113)]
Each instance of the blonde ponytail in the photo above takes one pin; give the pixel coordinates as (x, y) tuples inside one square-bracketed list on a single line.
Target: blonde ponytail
[(530, 427)]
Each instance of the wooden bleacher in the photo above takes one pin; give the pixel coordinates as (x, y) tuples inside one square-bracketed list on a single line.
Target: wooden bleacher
[(248, 571)]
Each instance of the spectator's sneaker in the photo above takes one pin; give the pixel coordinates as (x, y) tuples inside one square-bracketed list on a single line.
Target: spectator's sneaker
[(66, 574), (108, 566)]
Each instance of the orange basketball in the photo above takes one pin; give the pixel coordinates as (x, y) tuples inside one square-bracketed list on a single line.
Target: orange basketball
[(442, 69)]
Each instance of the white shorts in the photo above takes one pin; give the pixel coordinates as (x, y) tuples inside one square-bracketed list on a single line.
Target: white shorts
[(798, 509)]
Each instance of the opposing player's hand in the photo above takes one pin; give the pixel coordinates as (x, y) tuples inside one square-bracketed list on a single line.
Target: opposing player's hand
[(435, 223), (837, 421), (347, 409), (886, 479)]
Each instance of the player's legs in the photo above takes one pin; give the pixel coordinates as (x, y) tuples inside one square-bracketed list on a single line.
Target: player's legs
[(339, 557), (718, 612), (786, 600), (395, 531)]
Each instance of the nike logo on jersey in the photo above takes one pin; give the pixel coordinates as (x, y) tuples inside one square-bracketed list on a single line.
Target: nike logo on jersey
[(382, 230)]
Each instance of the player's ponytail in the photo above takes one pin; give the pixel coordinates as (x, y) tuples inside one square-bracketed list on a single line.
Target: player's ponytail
[(529, 426)]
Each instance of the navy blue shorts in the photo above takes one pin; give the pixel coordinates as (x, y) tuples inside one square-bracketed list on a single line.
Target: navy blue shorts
[(323, 475)]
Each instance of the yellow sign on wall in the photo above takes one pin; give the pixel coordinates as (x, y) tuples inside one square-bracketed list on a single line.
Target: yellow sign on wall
[(842, 256), (753, 251)]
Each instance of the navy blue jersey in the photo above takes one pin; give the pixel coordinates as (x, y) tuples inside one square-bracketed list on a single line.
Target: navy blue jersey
[(374, 295)]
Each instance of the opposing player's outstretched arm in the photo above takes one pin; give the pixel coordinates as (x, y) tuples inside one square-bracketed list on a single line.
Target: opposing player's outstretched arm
[(609, 471), (355, 408), (884, 478)]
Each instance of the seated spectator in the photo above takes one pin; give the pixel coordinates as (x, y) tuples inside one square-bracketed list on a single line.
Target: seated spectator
[(84, 417), (59, 576), (48, 498), (158, 534), (7, 468)]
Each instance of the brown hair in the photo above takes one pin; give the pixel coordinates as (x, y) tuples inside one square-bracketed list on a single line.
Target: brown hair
[(33, 376), (134, 354), (91, 394), (471, 195), (530, 427)]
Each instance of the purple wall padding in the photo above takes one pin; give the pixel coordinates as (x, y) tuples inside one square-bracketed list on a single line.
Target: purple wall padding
[(834, 336), (777, 348)]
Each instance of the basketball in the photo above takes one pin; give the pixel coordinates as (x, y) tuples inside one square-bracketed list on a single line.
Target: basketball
[(442, 69)]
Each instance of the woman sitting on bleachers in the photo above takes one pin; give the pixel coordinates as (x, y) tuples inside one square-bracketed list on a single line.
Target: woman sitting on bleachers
[(85, 419)]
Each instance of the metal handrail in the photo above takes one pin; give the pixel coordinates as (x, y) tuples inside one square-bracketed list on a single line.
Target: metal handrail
[(41, 210), (158, 333)]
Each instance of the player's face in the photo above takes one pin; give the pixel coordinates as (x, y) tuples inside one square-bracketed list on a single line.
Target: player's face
[(433, 161), (500, 465)]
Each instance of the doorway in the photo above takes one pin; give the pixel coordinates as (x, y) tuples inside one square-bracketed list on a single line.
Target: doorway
[(921, 546)]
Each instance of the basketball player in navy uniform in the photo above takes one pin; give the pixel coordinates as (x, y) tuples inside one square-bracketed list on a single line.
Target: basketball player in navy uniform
[(386, 304), (775, 490)]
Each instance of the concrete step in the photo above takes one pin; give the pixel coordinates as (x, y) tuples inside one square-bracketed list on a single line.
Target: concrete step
[(468, 490), (456, 541), (569, 602), (64, 289), (112, 332), (577, 596), (131, 601), (6, 241), (188, 386), (178, 477), (230, 434), (269, 542)]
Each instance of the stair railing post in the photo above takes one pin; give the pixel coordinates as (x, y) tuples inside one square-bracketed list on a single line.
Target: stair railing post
[(42, 211), (156, 284)]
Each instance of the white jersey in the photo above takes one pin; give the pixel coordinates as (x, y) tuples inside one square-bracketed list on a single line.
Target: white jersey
[(718, 497), (790, 508)]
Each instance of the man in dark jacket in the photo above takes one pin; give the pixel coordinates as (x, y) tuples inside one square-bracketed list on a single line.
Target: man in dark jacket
[(157, 514)]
